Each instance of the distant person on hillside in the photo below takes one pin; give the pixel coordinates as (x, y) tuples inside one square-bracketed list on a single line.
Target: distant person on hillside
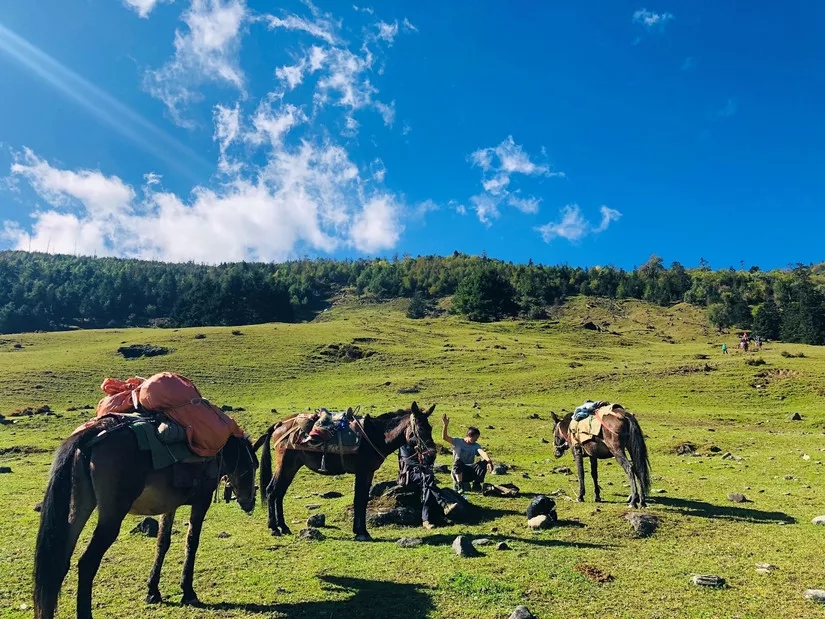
[(415, 470), (724, 348), (758, 340), (465, 469)]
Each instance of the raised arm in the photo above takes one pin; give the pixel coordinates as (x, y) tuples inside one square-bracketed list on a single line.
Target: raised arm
[(445, 422)]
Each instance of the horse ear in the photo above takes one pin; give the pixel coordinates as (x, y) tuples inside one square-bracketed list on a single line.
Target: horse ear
[(414, 408), (554, 416), (429, 411)]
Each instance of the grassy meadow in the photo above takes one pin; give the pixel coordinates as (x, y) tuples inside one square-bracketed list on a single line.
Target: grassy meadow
[(649, 359)]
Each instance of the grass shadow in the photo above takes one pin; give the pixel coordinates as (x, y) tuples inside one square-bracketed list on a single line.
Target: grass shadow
[(444, 539), (702, 509), (368, 599)]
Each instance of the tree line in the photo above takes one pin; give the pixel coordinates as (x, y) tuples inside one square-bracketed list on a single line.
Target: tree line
[(52, 292)]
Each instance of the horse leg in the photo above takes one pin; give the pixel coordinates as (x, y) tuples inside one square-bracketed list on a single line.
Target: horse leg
[(578, 456), (633, 499), (287, 469), (594, 473), (164, 538), (105, 534), (193, 539), (363, 483), (640, 493)]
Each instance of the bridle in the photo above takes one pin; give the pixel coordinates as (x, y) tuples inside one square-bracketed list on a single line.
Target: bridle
[(421, 449), (247, 448)]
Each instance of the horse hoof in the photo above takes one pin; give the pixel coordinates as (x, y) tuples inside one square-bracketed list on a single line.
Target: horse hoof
[(191, 600), (598, 499), (580, 499), (153, 598), (363, 537), (285, 530), (275, 533)]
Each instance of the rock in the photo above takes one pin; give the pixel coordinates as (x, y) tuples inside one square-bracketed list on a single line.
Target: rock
[(685, 449), (797, 417), (313, 506), (223, 535), (311, 534), (819, 520), (482, 541), (332, 494), (737, 497), (522, 612), (817, 595), (788, 477), (763, 571), (540, 506), (148, 527), (500, 469), (381, 488), (660, 491), (525, 475), (644, 524), (409, 542), (5, 469), (402, 516), (714, 449), (708, 580), (543, 441), (135, 351), (765, 568), (502, 546), (806, 457), (38, 507), (727, 456), (540, 522), (317, 521), (563, 470), (463, 547)]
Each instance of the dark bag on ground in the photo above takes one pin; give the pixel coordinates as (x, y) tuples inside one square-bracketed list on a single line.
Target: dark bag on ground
[(541, 506)]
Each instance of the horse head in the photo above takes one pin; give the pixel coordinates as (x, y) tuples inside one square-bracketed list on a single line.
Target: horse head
[(238, 465), (560, 443), (419, 432)]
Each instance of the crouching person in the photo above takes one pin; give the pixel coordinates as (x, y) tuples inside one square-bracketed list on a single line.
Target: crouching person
[(465, 468), (416, 469)]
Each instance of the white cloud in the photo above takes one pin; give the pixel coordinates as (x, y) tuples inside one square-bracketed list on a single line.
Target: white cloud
[(363, 9), (206, 52), (321, 26), (688, 64), (573, 226), (499, 164), (387, 32), (143, 7), (651, 20), (408, 26), (376, 226)]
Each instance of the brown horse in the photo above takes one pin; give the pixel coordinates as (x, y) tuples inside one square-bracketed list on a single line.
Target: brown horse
[(620, 431), (114, 475), (384, 435)]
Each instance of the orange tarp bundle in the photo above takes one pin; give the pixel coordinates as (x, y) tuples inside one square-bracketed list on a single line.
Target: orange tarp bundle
[(207, 427)]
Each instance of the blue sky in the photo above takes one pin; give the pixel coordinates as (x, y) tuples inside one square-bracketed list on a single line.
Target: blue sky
[(586, 133)]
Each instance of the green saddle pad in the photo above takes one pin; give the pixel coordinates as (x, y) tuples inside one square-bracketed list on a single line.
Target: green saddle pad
[(163, 454)]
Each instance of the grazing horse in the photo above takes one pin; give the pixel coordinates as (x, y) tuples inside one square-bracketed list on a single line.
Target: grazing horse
[(381, 436), (114, 475), (620, 431)]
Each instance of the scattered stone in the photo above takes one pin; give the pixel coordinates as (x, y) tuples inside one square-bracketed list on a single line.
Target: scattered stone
[(332, 494), (500, 469), (660, 491), (714, 449), (409, 542), (482, 541), (533, 416), (521, 612), (643, 524), (404, 390), (38, 507), (401, 516), (685, 449), (223, 535), (563, 470), (135, 351), (314, 506), (476, 405), (148, 527), (788, 477), (816, 595), (502, 546), (489, 428), (797, 417), (819, 520), (806, 457), (765, 568), (737, 497), (236, 332), (317, 521), (200, 336), (311, 534), (525, 475), (5, 469), (708, 580), (463, 547), (544, 441), (540, 522)]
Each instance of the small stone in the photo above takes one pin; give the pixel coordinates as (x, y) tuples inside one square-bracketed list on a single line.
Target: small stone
[(762, 571), (5, 469), (525, 475), (806, 457), (332, 494), (797, 417), (38, 507), (148, 527), (223, 535), (644, 524), (463, 547), (708, 580), (311, 534), (539, 522), (817, 595), (737, 497), (317, 521), (660, 491), (313, 506), (522, 612), (727, 456), (562, 470), (767, 567), (788, 477), (819, 520), (502, 546), (409, 542), (482, 541)]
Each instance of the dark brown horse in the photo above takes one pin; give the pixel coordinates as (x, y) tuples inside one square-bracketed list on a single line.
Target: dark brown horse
[(114, 475), (384, 435), (620, 431)]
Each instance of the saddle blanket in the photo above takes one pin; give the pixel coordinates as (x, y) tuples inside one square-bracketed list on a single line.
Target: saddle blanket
[(326, 432), (590, 427)]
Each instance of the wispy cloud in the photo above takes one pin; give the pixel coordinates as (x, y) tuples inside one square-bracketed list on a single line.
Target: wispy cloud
[(574, 227), (499, 165), (101, 105), (730, 108), (207, 51), (143, 7), (651, 20)]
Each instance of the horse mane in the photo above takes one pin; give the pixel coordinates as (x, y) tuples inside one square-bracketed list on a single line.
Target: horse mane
[(392, 415)]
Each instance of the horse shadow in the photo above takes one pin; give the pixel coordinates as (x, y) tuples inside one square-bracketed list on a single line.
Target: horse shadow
[(702, 509), (368, 599)]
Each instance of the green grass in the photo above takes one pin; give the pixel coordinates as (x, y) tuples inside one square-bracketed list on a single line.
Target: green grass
[(648, 359)]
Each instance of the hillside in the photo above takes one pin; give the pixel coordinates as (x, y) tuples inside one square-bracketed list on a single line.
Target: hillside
[(664, 364)]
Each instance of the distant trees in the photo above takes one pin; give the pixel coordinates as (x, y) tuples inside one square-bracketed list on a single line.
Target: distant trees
[(45, 292)]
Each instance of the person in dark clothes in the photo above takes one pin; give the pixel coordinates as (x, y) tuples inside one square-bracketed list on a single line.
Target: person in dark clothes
[(417, 470)]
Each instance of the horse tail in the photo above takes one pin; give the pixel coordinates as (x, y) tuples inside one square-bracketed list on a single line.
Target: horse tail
[(266, 460), (52, 552), (638, 452)]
